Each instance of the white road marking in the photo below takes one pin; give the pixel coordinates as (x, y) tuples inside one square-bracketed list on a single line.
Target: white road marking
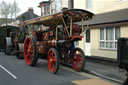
[(80, 73), (12, 75)]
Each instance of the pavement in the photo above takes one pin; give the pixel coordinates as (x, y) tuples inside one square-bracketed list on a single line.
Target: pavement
[(105, 69)]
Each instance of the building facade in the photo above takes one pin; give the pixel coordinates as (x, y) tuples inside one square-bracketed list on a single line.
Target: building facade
[(110, 23), (104, 30), (97, 6), (101, 40)]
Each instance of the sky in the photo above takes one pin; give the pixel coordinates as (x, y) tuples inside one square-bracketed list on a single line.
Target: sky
[(25, 4)]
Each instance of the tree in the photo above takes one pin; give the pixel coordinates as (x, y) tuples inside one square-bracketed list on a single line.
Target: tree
[(12, 11), (9, 9), (5, 10), (16, 8)]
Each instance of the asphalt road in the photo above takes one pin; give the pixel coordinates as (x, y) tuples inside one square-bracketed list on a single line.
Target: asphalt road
[(16, 72)]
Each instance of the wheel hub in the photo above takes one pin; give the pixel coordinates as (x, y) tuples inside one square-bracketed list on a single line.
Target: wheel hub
[(50, 60), (78, 59)]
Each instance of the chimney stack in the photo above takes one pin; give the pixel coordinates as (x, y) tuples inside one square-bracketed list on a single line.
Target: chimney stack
[(30, 9)]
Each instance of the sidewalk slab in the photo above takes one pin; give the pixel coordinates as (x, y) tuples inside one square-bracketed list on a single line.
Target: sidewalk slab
[(92, 82), (105, 68)]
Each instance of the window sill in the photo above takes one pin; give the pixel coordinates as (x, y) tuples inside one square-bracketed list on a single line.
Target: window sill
[(110, 49)]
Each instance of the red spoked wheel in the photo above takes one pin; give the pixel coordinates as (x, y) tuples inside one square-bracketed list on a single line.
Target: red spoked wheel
[(30, 51), (53, 60), (78, 59)]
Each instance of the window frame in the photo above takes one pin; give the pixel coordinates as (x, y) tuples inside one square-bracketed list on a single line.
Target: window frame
[(46, 10), (105, 40)]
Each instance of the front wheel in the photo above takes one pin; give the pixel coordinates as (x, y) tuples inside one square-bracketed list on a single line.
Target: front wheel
[(53, 60), (30, 51), (78, 59)]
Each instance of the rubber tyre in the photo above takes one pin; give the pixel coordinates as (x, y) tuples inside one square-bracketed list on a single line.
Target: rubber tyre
[(78, 61), (34, 58), (7, 49), (19, 55), (53, 52)]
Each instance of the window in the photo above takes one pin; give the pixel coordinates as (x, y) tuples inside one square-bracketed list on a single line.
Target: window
[(89, 4), (46, 10), (42, 10), (109, 37)]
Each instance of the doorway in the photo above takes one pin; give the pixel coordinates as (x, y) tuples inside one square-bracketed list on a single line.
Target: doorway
[(87, 43)]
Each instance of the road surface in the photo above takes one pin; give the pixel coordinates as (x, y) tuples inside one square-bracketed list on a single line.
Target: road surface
[(17, 72)]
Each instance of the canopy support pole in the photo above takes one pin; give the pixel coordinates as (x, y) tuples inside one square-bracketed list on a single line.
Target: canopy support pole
[(65, 26), (71, 27), (86, 27), (82, 23), (56, 32)]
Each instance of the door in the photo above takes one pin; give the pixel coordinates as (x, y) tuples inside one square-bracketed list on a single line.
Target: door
[(87, 43)]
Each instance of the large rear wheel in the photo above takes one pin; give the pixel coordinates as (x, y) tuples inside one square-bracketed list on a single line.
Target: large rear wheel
[(30, 51), (53, 60), (19, 50), (78, 59), (7, 50)]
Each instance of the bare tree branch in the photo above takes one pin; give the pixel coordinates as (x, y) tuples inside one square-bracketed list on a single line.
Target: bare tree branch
[(9, 9), (5, 10), (16, 8)]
